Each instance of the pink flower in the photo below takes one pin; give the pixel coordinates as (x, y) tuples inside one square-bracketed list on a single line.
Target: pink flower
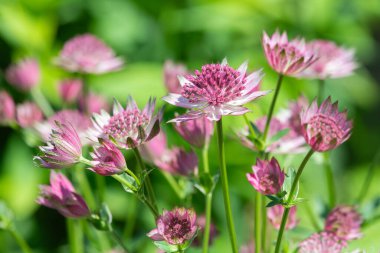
[(332, 61), (344, 222), (24, 75), (175, 227), (7, 108), (325, 128), (215, 91), (28, 114), (171, 73), (197, 132), (108, 159), (87, 54), (155, 148), (63, 149), (201, 223), (61, 195), (267, 177), (286, 57), (178, 161), (129, 127), (323, 242), (93, 103), (70, 90), (295, 108), (275, 213), (248, 248)]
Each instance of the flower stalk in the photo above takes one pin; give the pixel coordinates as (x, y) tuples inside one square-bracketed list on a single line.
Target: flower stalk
[(208, 198), (24, 246)]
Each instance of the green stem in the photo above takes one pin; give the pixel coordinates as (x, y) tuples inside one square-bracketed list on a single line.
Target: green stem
[(20, 241), (124, 182), (75, 235), (151, 207), (85, 187), (173, 183), (312, 217), (264, 224), (271, 108), (258, 221), (130, 219), (129, 172), (41, 101), (101, 187), (329, 180), (290, 198), (224, 179), (251, 130), (208, 204), (119, 240), (321, 88)]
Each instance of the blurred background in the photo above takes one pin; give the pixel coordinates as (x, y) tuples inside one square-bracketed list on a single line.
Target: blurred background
[(146, 33)]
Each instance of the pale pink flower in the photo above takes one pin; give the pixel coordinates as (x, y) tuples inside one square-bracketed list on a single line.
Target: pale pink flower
[(128, 127), (87, 54), (248, 248), (93, 103), (70, 90), (267, 177), (295, 108), (24, 75), (325, 128), (63, 149), (323, 242), (61, 195), (344, 222), (108, 159), (197, 132), (215, 91), (175, 227), (178, 161), (154, 149), (275, 213), (201, 223), (28, 114), (171, 73), (7, 108), (332, 61), (286, 57)]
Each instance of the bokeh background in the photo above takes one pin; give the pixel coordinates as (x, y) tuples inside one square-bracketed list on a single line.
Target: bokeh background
[(195, 32)]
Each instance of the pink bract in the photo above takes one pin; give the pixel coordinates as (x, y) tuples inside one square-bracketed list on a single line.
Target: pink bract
[(108, 159), (28, 114), (275, 213), (24, 75), (323, 242), (197, 132), (171, 73), (7, 108)]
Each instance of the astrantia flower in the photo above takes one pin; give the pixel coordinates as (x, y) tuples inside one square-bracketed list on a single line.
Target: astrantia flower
[(87, 54), (70, 90), (325, 128), (128, 127), (155, 148), (63, 149), (28, 114), (24, 75), (93, 103), (61, 195), (332, 61), (295, 108), (108, 159), (267, 177), (344, 222), (201, 223), (197, 132), (275, 213), (7, 108), (171, 73), (175, 227), (215, 91), (323, 242), (178, 161), (286, 57)]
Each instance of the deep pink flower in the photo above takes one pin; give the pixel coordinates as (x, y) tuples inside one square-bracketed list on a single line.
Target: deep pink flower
[(197, 132), (215, 91), (286, 57), (129, 127), (201, 223), (178, 161), (323, 242), (331, 61), (267, 177), (87, 54), (63, 149), (344, 222), (70, 90), (175, 227), (28, 114), (325, 128), (24, 75), (93, 103), (61, 195), (7, 108), (275, 213), (154, 149), (171, 73), (108, 159)]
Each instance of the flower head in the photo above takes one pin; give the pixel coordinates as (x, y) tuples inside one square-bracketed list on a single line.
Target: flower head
[(344, 222), (331, 61), (267, 177), (108, 159), (61, 195), (286, 57), (275, 213), (216, 90), (128, 127), (63, 149), (87, 54), (155, 149), (178, 161), (325, 128), (322, 243), (201, 223), (171, 73), (7, 108), (295, 108), (28, 114), (197, 132), (70, 90), (24, 75), (93, 103), (175, 227)]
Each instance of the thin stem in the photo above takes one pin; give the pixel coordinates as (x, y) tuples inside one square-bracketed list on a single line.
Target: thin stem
[(251, 130), (124, 182), (264, 224), (119, 240), (208, 202), (101, 187), (226, 197), (321, 88), (258, 223), (206, 168), (290, 198), (150, 206), (41, 101), (20, 241), (329, 180), (173, 183), (129, 172), (271, 108), (75, 235), (130, 218)]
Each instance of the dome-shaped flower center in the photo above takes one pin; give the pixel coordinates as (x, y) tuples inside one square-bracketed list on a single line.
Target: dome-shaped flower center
[(326, 128), (216, 84), (178, 228)]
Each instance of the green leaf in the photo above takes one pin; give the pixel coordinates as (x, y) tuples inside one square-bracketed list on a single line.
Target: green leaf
[(166, 246), (102, 220), (279, 135), (6, 216)]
